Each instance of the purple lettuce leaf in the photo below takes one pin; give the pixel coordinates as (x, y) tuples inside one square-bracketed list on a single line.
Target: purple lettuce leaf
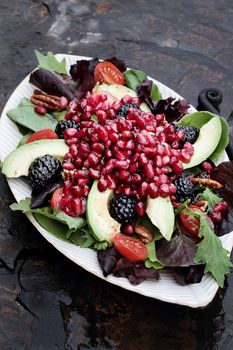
[(113, 262), (189, 274), (144, 91), (172, 108), (117, 63), (82, 73), (52, 83), (179, 251), (223, 173)]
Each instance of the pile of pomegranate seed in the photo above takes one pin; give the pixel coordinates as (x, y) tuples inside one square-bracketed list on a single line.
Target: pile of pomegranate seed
[(136, 155)]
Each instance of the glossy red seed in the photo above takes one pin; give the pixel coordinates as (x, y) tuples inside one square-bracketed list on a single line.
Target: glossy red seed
[(119, 155), (158, 161), (77, 191), (101, 115), (216, 216), (207, 166), (94, 174), (153, 190), (143, 160), (124, 175), (177, 167), (70, 133), (68, 166), (40, 110), (143, 189), (140, 208), (127, 190), (221, 206), (136, 178), (164, 190), (184, 156), (127, 230), (149, 171), (121, 164)]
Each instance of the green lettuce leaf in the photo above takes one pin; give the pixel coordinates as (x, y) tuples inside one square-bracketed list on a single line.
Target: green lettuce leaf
[(211, 252), (210, 197), (25, 115), (198, 119), (152, 261), (50, 62)]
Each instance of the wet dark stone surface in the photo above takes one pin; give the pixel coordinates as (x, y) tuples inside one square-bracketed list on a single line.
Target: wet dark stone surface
[(46, 301)]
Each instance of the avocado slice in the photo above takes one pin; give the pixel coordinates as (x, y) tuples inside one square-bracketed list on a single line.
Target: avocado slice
[(119, 91), (102, 225), (18, 162), (208, 139), (161, 213)]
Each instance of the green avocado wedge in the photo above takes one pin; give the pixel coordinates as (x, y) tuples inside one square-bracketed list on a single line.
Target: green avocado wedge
[(199, 119), (161, 213), (17, 163), (206, 143), (101, 224)]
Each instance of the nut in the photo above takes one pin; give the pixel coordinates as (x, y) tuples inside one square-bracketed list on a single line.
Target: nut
[(49, 102), (201, 204), (144, 234), (207, 182)]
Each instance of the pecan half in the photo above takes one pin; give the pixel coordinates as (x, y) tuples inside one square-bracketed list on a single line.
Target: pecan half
[(49, 102), (144, 234), (207, 182)]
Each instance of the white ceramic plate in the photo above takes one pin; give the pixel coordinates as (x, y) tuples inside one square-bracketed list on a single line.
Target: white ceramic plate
[(166, 289)]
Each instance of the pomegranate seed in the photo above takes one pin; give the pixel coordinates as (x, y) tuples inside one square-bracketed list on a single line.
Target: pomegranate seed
[(141, 122), (99, 147), (160, 117), (160, 149), (105, 106), (163, 179), (157, 171), (130, 145), (121, 144), (113, 136), (126, 99), (166, 160), (71, 132), (68, 166), (111, 113), (124, 174), (140, 208), (78, 162), (175, 145), (76, 206), (177, 167), (189, 148), (121, 164), (63, 102), (216, 216), (143, 160), (112, 181), (127, 190), (94, 174), (158, 161), (161, 137), (119, 155), (153, 190), (207, 166), (86, 190), (164, 190), (102, 185), (110, 165), (143, 140), (149, 171), (221, 206), (108, 153), (127, 230), (77, 191), (86, 115), (73, 150), (101, 115), (184, 156), (72, 141), (82, 182), (86, 164), (81, 173), (143, 189), (68, 116), (40, 110), (102, 134), (136, 178), (133, 167), (172, 188)]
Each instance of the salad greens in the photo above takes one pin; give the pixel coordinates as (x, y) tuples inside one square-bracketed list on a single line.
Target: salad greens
[(181, 250), (51, 63)]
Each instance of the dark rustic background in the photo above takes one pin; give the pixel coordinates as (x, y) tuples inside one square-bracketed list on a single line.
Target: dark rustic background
[(47, 302)]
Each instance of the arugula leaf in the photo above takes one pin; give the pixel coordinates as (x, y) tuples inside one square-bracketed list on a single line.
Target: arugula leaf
[(50, 62), (152, 260), (210, 197), (198, 119), (211, 252), (25, 115)]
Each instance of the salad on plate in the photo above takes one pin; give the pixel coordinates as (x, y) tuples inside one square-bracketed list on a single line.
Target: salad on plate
[(114, 166)]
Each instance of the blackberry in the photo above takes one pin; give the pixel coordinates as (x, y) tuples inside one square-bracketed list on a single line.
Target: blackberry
[(124, 109), (190, 133), (65, 124), (122, 208), (184, 187), (43, 171)]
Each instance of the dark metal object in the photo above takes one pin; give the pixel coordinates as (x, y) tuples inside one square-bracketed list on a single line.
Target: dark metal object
[(209, 99)]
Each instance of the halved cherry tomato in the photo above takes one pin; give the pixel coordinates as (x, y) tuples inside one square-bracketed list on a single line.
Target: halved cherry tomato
[(42, 134), (192, 224), (106, 72), (56, 199), (131, 248)]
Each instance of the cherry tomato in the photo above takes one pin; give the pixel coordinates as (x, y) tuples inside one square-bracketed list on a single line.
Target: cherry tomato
[(192, 224), (131, 248), (55, 202), (106, 72), (42, 134)]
